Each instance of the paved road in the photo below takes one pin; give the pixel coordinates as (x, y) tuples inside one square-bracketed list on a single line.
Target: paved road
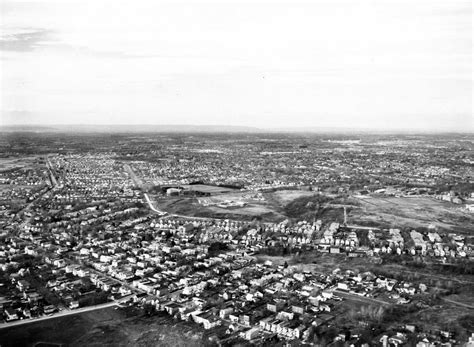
[(64, 313), (167, 215), (31, 203), (138, 182), (28, 207), (54, 182), (361, 298), (147, 198)]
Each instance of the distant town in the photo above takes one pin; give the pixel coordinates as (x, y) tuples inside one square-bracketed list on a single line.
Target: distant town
[(246, 239)]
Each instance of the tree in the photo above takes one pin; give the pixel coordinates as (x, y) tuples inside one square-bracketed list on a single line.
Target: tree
[(217, 247), (149, 309)]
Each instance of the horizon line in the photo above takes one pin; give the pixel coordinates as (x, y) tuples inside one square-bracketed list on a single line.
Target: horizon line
[(230, 128)]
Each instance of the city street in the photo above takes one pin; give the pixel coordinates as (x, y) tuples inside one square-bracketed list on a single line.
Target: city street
[(64, 313)]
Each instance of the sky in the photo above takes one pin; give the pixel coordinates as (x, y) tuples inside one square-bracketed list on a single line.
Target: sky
[(381, 64)]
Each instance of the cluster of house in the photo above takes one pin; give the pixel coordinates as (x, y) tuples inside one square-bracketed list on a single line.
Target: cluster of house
[(11, 197), (91, 177), (257, 301), (351, 240), (26, 176), (89, 229), (278, 162), (167, 262), (339, 239), (454, 198), (30, 288), (251, 300)]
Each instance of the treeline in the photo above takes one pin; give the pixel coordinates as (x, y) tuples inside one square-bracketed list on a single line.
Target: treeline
[(217, 248), (95, 298)]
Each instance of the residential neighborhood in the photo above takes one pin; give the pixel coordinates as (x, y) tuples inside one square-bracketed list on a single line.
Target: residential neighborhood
[(84, 230)]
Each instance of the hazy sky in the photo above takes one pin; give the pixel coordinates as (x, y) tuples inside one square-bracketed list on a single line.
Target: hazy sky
[(319, 63)]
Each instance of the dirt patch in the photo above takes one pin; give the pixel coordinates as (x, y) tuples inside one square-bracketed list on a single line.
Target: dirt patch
[(191, 207), (411, 212), (17, 163), (107, 327), (283, 197)]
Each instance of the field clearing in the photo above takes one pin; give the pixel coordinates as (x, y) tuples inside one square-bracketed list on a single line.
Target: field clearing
[(4, 187), (16, 163), (204, 188), (233, 196), (245, 213), (108, 327), (439, 317), (255, 210), (384, 212), (18, 186), (314, 262), (191, 207), (412, 212), (284, 197)]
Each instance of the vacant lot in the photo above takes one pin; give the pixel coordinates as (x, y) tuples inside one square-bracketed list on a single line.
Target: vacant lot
[(274, 207), (411, 212), (204, 188), (283, 197), (384, 212), (233, 196), (108, 327), (191, 207), (444, 317), (16, 163)]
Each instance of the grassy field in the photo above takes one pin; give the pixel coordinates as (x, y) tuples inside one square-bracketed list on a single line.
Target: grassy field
[(411, 212), (382, 212), (208, 189), (272, 208), (283, 197), (444, 317), (191, 207), (107, 327), (16, 163)]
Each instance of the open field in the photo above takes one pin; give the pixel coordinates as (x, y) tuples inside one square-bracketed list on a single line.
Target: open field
[(247, 197), (411, 212), (384, 212), (465, 296), (252, 210), (191, 207), (444, 317), (267, 207), (283, 197), (108, 327), (204, 188), (16, 163)]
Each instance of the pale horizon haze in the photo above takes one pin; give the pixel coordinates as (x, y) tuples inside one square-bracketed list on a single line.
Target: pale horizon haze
[(372, 64)]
